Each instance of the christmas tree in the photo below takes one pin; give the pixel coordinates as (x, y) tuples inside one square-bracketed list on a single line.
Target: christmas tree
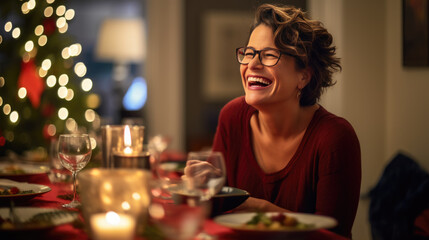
[(43, 88)]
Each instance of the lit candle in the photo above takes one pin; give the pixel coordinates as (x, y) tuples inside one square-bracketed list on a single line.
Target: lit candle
[(112, 226), (127, 141), (128, 157)]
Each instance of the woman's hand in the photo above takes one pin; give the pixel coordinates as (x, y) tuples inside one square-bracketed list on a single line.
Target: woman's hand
[(201, 171), (258, 205)]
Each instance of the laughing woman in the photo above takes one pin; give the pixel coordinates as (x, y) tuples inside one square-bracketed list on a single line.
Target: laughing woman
[(279, 144)]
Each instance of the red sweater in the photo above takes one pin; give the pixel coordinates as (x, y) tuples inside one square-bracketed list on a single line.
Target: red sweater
[(323, 176)]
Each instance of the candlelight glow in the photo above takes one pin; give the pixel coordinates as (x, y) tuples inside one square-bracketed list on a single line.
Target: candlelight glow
[(136, 196), (112, 218), (156, 211)]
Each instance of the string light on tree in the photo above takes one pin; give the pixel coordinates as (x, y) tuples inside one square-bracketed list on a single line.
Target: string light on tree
[(43, 91)]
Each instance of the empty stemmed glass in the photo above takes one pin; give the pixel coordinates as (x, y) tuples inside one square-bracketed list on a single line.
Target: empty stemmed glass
[(74, 151)]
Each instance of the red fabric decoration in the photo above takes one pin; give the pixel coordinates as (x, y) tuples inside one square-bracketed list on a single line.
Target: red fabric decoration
[(30, 80)]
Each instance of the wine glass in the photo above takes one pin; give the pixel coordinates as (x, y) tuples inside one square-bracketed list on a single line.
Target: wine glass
[(167, 167), (204, 176), (74, 151)]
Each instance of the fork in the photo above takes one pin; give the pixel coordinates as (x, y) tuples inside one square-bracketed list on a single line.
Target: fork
[(12, 215)]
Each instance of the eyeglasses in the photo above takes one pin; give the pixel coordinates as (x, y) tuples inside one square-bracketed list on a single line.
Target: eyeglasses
[(268, 56)]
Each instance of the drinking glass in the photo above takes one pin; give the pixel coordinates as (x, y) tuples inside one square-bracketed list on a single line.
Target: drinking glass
[(176, 221), (204, 176), (167, 167), (74, 151), (191, 183)]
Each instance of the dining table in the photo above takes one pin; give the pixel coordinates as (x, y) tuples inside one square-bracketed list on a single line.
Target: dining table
[(71, 231)]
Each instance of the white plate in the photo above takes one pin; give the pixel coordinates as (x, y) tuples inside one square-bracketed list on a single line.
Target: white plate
[(22, 186), (19, 169), (237, 221), (56, 217)]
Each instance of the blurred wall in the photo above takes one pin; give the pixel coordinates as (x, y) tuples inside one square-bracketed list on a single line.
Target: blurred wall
[(85, 28), (407, 95), (165, 70), (386, 102), (213, 30), (177, 104)]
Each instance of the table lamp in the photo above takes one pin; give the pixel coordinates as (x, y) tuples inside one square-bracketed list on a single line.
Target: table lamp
[(121, 41)]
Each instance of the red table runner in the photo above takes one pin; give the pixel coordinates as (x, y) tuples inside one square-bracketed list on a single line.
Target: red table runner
[(69, 231)]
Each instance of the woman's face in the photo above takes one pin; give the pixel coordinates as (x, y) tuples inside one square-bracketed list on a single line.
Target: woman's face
[(271, 86)]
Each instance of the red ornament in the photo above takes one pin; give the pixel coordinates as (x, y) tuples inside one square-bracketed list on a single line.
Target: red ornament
[(49, 26), (32, 82), (45, 132), (2, 141), (48, 110)]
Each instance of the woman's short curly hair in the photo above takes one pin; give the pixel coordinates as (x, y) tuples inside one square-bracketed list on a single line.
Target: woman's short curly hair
[(307, 40)]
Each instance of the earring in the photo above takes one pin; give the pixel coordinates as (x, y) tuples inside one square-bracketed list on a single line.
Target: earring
[(298, 94)]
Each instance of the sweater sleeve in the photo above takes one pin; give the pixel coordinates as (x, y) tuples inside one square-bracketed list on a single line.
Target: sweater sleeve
[(339, 172), (230, 118)]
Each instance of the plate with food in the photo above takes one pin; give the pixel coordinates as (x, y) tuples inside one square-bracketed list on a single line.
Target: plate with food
[(11, 190), (275, 222), (20, 169), (29, 218)]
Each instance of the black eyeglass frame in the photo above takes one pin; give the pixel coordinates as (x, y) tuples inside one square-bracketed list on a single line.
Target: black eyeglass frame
[(259, 55)]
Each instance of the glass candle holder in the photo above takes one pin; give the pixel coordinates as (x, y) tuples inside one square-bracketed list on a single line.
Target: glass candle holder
[(112, 226), (121, 139), (123, 191), (132, 159)]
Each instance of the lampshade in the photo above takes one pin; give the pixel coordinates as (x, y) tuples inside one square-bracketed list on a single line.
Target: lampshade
[(121, 40)]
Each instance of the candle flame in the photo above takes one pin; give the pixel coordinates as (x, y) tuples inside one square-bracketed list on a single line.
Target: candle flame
[(127, 136), (127, 139), (112, 218), (128, 150)]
